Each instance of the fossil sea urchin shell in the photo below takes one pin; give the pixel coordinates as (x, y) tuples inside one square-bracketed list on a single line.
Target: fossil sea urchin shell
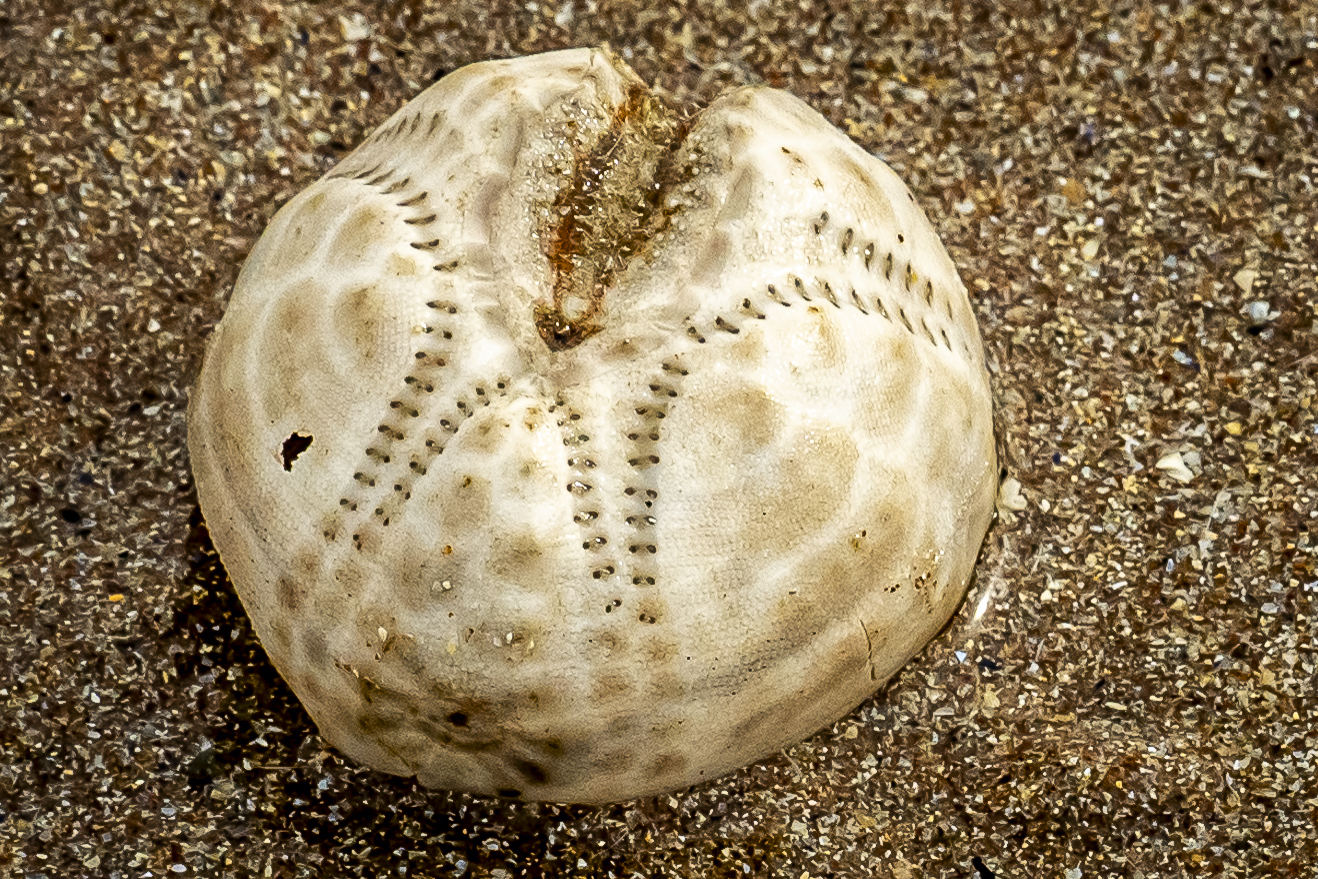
[(562, 446)]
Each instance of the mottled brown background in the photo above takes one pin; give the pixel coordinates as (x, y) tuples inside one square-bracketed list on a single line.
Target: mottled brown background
[(1129, 689)]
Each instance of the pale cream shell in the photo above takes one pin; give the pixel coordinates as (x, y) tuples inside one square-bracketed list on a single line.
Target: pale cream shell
[(633, 564)]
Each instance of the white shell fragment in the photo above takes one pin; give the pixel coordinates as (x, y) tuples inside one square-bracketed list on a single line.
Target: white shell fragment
[(565, 447), (1174, 466)]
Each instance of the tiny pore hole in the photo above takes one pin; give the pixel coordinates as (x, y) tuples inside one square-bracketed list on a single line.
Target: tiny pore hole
[(295, 445)]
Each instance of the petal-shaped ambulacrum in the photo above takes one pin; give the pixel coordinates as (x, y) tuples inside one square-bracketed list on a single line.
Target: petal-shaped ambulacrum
[(564, 446)]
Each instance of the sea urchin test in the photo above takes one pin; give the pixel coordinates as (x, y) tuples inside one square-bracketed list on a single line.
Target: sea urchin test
[(564, 446)]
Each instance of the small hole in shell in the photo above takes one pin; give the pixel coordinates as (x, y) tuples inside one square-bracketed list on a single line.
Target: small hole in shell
[(295, 445)]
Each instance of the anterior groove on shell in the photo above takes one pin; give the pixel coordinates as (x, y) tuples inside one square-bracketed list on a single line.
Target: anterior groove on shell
[(557, 442), (607, 212)]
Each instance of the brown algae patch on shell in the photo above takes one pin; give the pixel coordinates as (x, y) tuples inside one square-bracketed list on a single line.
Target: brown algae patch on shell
[(565, 447)]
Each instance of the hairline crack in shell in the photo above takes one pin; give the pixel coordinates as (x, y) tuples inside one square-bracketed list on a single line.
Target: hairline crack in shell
[(564, 447)]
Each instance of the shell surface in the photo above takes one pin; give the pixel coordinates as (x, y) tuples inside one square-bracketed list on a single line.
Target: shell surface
[(563, 447)]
